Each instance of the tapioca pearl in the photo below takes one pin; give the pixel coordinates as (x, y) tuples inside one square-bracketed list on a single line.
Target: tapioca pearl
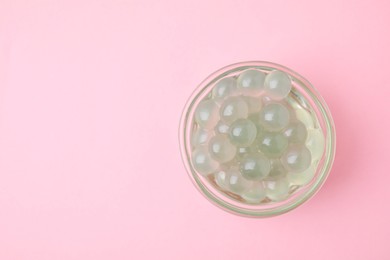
[(201, 137), (255, 194), (236, 183), (243, 151), (202, 161), (305, 117), (315, 143), (255, 166), (243, 132), (224, 88), (221, 179), (274, 117), (277, 170), (277, 190), (272, 144), (254, 104), (266, 99), (297, 158), (277, 84), (296, 132), (222, 127), (233, 108), (251, 82), (207, 114), (254, 118), (221, 149), (302, 178), (240, 153)]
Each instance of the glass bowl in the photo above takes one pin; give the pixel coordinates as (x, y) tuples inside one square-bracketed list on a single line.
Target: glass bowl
[(302, 95)]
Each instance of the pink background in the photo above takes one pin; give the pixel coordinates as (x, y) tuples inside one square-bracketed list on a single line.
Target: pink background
[(91, 93)]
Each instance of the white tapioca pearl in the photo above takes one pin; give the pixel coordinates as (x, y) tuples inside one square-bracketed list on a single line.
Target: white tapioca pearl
[(236, 183), (277, 170), (243, 132), (277, 85), (221, 179), (305, 117), (277, 190), (255, 166), (221, 149), (202, 161), (315, 143), (274, 116), (296, 158), (296, 132), (302, 178), (272, 144), (255, 194), (243, 151), (233, 108), (207, 114), (251, 82), (301, 113), (222, 128), (254, 104), (224, 88), (201, 137)]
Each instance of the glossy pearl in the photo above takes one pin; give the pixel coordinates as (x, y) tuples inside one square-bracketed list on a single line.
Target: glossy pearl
[(255, 167), (255, 119), (243, 132), (277, 170), (277, 190), (272, 144), (221, 179), (201, 137), (302, 178), (305, 117), (221, 149), (233, 108), (255, 194), (296, 132), (251, 82), (316, 143), (274, 116), (202, 161), (236, 183), (206, 114), (222, 128), (254, 104), (296, 159), (277, 85), (224, 88), (242, 151)]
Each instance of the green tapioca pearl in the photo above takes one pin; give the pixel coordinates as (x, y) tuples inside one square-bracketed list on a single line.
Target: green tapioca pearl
[(274, 117), (233, 108), (277, 170), (296, 132), (277, 190), (272, 144), (207, 114), (243, 132), (255, 166), (297, 158), (221, 149)]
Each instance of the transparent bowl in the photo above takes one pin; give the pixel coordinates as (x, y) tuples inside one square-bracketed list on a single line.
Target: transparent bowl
[(306, 96)]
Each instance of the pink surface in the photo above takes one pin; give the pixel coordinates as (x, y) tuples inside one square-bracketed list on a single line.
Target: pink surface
[(91, 93)]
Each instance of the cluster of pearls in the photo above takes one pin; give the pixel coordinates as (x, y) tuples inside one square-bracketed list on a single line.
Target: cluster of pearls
[(252, 140)]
